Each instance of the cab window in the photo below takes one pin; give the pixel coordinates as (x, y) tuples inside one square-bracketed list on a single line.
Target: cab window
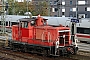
[(24, 24)]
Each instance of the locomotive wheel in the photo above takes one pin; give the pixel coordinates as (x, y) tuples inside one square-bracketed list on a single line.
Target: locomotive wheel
[(48, 52), (75, 50), (11, 46), (58, 52), (25, 48), (45, 53)]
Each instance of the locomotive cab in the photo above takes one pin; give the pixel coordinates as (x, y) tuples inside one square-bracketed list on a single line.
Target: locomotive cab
[(23, 30), (26, 22)]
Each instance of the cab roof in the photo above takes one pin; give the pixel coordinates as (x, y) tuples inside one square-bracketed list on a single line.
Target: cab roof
[(29, 19)]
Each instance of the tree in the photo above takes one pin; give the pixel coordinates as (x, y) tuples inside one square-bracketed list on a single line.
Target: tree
[(16, 7), (21, 7), (11, 6), (41, 9)]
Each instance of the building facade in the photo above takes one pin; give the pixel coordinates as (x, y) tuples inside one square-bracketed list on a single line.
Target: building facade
[(71, 8)]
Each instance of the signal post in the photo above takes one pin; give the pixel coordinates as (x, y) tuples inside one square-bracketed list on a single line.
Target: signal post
[(74, 29)]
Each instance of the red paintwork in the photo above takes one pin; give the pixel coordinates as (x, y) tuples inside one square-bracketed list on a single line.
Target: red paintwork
[(39, 34), (15, 35)]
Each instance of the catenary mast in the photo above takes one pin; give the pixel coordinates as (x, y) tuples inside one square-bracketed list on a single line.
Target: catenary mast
[(3, 12)]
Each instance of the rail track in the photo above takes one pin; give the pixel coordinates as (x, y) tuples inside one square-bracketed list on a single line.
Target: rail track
[(12, 55), (84, 46), (6, 54), (4, 58)]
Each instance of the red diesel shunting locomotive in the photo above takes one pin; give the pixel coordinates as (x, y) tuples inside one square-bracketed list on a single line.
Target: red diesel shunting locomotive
[(35, 35)]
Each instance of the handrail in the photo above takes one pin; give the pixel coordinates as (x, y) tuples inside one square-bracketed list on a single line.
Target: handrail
[(42, 36), (49, 35)]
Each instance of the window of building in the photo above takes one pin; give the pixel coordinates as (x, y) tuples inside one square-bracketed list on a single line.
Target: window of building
[(74, 9), (70, 2), (55, 2), (85, 8), (88, 8), (56, 9), (71, 9), (20, 0), (63, 13), (51, 3), (86, 15), (71, 15), (53, 9), (63, 10), (81, 2), (86, 2), (63, 2)]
